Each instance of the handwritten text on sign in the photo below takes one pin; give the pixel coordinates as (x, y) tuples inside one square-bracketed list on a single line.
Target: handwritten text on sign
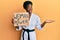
[(21, 19)]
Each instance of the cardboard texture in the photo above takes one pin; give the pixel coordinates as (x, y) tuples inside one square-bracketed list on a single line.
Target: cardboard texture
[(21, 19)]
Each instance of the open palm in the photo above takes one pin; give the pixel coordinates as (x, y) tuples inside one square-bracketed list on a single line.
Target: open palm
[(49, 21)]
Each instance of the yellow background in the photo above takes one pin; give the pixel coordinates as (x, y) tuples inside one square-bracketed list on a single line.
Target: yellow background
[(46, 9)]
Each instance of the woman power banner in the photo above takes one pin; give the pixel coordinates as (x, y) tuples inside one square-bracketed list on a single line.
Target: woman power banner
[(21, 19)]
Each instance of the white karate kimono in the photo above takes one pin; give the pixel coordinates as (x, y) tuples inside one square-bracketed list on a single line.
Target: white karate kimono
[(34, 22)]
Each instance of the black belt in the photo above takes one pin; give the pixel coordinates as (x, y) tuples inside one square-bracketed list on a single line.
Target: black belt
[(27, 30)]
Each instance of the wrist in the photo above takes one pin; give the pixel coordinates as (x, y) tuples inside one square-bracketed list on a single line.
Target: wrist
[(45, 22)]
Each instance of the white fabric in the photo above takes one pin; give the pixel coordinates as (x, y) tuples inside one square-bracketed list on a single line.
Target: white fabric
[(33, 22)]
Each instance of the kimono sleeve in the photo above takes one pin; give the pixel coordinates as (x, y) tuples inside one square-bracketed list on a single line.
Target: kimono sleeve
[(38, 23), (20, 28)]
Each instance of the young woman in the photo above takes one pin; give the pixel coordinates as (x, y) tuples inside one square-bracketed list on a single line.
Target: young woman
[(28, 33)]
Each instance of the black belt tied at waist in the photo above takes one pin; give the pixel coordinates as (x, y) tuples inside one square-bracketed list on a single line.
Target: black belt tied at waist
[(27, 30)]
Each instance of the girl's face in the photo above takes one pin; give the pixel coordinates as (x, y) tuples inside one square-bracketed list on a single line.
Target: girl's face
[(29, 8)]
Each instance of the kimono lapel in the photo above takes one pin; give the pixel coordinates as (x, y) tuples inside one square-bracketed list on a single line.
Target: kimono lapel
[(30, 18)]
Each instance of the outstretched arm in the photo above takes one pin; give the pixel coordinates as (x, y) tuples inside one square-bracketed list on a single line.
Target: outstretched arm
[(46, 21)]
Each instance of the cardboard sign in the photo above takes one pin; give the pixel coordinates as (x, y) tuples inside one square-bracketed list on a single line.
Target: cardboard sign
[(21, 19)]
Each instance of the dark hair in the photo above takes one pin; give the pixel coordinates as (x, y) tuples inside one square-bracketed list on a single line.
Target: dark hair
[(26, 3)]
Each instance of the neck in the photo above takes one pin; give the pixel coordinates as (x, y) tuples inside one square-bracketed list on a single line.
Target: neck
[(29, 13)]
